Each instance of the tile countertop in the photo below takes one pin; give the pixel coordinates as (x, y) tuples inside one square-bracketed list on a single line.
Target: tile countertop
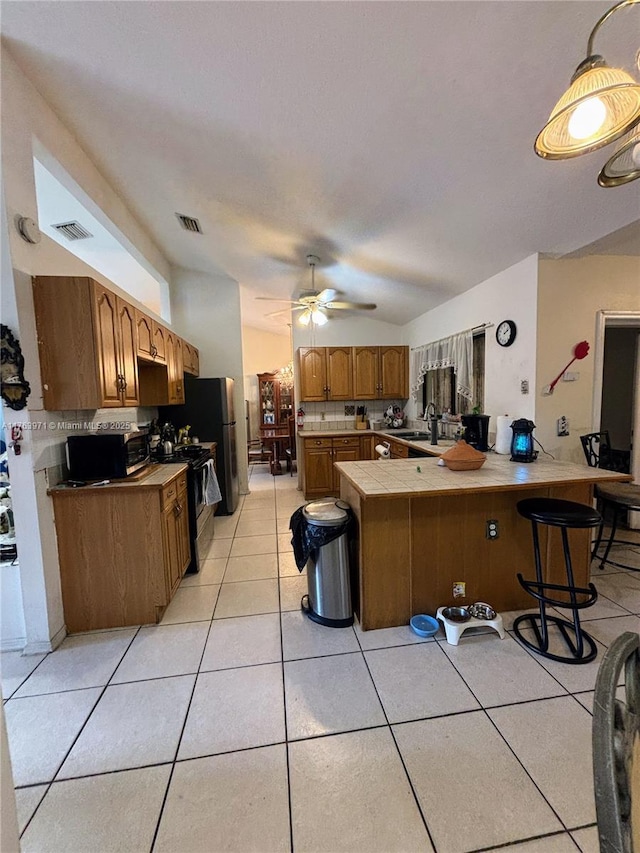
[(400, 477), (381, 434), (155, 476)]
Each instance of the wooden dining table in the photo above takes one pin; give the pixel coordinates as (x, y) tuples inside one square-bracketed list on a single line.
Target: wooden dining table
[(277, 440)]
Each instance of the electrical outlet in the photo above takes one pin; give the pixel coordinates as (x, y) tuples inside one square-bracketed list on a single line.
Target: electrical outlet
[(570, 377), (459, 589), (524, 386), (322, 416), (562, 425), (492, 531)]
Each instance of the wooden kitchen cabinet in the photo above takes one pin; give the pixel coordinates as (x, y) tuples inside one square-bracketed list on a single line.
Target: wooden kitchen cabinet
[(175, 369), (398, 450), (175, 535), (367, 447), (122, 550), (320, 477), (191, 359), (151, 339), (381, 373), (87, 342), (318, 467), (326, 373)]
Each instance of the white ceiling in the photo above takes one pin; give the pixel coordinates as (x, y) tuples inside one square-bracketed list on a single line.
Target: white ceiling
[(392, 139)]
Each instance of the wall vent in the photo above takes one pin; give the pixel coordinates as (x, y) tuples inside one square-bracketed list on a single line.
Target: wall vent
[(72, 230), (189, 223)]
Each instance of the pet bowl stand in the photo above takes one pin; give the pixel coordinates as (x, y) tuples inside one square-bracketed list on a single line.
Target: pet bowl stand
[(454, 630)]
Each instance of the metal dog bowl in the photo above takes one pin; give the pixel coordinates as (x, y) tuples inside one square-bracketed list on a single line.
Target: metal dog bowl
[(482, 610), (456, 614)]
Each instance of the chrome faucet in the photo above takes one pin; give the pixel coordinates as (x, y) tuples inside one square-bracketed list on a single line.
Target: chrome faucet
[(430, 415), (429, 412)]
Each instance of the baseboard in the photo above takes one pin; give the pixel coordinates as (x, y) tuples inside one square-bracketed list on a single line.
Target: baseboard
[(43, 646), (16, 644)]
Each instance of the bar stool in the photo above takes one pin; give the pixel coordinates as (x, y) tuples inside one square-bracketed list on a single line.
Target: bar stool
[(565, 515)]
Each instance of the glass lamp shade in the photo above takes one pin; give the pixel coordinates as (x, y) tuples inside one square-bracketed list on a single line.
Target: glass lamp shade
[(305, 318), (601, 105), (624, 165), (319, 318)]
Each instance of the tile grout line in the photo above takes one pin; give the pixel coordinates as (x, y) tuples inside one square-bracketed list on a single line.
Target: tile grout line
[(184, 724), (82, 728)]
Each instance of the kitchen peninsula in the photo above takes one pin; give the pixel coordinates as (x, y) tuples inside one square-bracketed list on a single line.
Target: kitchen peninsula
[(422, 528)]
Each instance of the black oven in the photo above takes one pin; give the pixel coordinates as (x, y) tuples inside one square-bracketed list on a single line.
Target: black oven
[(106, 454)]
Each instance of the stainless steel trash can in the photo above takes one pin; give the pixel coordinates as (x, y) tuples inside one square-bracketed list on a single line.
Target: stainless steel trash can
[(329, 589)]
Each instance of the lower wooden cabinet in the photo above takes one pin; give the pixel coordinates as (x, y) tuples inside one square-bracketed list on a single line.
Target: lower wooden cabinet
[(122, 550), (398, 451), (320, 477)]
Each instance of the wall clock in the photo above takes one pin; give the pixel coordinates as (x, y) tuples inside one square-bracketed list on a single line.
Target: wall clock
[(506, 333)]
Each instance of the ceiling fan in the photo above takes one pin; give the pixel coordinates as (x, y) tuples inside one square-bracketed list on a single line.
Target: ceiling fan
[(314, 304)]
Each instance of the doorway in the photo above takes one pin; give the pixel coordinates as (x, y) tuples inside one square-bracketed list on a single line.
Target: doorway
[(616, 400)]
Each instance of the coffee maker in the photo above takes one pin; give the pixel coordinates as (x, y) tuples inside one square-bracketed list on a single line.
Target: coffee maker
[(476, 431)]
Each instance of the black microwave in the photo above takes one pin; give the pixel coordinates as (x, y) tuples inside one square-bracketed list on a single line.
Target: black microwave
[(107, 455)]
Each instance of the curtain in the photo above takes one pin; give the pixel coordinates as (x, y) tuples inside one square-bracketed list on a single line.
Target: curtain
[(455, 351)]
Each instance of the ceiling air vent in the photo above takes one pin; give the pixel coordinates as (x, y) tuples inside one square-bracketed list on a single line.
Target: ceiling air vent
[(189, 223), (72, 230)]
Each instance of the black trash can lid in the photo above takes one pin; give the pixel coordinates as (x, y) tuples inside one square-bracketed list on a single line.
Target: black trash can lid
[(326, 512)]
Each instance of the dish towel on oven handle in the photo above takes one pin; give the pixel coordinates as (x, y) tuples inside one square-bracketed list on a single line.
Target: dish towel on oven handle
[(210, 487)]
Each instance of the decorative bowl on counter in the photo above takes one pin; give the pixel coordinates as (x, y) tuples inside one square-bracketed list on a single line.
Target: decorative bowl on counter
[(463, 457)]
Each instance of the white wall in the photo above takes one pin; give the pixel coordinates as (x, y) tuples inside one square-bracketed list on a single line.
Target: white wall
[(348, 328), (262, 352), (509, 295), (206, 311), (26, 118), (570, 294)]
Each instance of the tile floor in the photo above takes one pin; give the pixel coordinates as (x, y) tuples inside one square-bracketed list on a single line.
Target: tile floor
[(239, 725)]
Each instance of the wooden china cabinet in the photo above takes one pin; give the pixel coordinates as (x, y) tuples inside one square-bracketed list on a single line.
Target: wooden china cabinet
[(275, 402)]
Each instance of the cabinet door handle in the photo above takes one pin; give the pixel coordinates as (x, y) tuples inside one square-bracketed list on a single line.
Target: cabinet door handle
[(154, 350)]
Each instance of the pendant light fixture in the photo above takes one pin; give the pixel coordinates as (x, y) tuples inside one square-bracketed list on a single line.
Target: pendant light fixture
[(600, 106), (624, 165)]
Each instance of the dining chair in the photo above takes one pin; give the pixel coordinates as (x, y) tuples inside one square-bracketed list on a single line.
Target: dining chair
[(620, 498)]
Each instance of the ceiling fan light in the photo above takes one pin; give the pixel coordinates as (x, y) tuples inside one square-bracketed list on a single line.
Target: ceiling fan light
[(318, 317), (624, 164), (305, 318), (600, 105)]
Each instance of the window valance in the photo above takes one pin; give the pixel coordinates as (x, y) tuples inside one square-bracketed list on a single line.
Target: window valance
[(455, 351)]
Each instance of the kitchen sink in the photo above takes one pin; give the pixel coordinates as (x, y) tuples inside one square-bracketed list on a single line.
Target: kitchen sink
[(413, 436)]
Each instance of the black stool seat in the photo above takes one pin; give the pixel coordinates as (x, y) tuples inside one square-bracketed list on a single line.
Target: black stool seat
[(559, 513), (566, 515)]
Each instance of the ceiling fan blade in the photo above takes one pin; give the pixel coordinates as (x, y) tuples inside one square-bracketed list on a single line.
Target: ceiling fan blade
[(286, 311), (327, 295), (276, 299), (360, 306)]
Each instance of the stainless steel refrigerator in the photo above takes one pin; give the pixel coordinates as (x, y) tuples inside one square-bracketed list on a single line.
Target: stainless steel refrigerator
[(208, 409)]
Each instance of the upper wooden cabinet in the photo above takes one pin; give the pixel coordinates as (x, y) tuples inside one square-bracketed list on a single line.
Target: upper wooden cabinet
[(87, 342), (174, 367), (381, 373), (98, 351), (191, 359), (151, 339), (353, 373), (326, 373)]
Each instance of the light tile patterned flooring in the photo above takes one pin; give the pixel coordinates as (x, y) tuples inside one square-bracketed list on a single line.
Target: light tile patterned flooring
[(239, 725)]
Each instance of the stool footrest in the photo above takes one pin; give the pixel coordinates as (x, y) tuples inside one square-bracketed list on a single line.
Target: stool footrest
[(538, 589), (582, 648)]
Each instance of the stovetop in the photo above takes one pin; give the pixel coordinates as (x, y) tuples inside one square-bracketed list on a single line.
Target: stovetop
[(189, 453)]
